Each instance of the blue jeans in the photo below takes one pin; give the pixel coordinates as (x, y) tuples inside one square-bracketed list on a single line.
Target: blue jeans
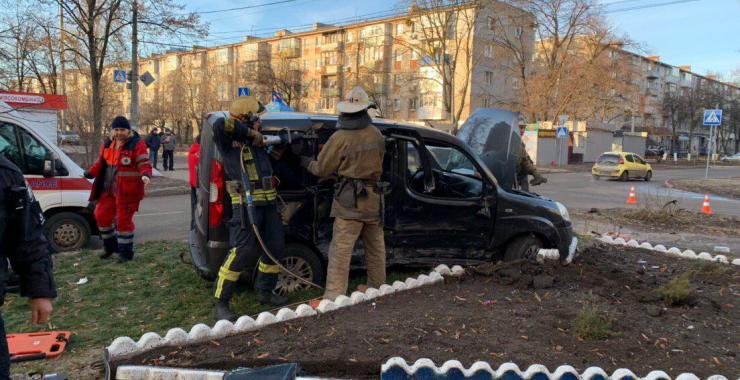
[(153, 157)]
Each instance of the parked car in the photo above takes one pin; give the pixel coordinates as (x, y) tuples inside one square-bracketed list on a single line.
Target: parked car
[(68, 137), (731, 158), (622, 166), (443, 204)]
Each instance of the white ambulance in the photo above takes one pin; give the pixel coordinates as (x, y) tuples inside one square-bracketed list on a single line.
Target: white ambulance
[(27, 137)]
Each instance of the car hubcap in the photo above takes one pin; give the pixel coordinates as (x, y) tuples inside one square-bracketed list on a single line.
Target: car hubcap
[(67, 235), (287, 283)]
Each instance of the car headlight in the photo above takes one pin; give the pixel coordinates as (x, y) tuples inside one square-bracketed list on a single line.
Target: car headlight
[(563, 211)]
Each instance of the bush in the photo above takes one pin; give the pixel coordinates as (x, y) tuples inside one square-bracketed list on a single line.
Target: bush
[(592, 324), (677, 291)]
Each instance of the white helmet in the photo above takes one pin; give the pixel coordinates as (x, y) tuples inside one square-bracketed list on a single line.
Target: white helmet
[(357, 100)]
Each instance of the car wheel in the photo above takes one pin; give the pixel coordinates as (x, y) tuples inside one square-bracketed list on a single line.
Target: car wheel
[(305, 263), (523, 247), (624, 176), (596, 177), (648, 176), (67, 231)]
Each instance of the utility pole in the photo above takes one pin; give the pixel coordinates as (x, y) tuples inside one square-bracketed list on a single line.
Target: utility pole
[(62, 49), (135, 67)]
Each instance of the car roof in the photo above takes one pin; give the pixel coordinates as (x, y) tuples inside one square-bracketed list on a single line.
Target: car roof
[(304, 120)]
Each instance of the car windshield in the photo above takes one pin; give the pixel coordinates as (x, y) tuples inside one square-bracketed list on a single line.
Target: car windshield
[(608, 159)]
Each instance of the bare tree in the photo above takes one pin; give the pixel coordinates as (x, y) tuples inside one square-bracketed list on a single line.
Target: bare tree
[(443, 31), (675, 113), (16, 47), (284, 76), (96, 24)]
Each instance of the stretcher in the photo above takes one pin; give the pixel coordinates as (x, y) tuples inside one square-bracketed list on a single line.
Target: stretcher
[(36, 346)]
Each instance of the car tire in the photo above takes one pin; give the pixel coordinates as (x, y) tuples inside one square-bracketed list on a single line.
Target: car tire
[(648, 176), (523, 247), (67, 231), (303, 261), (624, 176), (596, 177)]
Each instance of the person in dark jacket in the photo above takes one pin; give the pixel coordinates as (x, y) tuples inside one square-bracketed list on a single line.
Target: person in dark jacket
[(168, 150), (153, 142), (24, 245)]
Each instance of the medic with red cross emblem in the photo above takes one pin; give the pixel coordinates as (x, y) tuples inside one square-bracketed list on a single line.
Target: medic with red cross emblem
[(121, 173)]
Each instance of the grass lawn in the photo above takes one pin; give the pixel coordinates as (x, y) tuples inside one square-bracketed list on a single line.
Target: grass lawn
[(155, 292)]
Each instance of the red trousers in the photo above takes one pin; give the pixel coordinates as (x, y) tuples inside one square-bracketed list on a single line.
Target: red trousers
[(110, 209)]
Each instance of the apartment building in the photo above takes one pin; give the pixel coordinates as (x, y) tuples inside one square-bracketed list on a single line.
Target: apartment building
[(408, 63), (657, 80)]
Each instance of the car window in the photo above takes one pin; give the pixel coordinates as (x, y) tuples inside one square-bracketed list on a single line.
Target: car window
[(606, 159), (639, 159), (9, 144), (35, 153), (455, 176), (628, 157)]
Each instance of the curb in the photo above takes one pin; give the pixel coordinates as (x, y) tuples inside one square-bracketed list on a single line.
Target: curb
[(125, 346), (397, 369), (673, 251)]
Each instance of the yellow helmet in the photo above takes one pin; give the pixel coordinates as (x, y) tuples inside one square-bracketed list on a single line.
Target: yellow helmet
[(245, 106)]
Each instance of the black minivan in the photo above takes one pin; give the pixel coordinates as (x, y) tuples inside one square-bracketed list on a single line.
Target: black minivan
[(443, 203)]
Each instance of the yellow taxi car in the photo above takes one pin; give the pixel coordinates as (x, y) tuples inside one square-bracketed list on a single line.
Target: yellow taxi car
[(621, 165)]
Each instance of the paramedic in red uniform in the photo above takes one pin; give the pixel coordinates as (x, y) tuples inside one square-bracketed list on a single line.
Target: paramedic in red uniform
[(121, 172)]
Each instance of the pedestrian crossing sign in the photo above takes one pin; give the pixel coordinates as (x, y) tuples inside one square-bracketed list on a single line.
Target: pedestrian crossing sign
[(712, 117), (119, 76), (244, 91)]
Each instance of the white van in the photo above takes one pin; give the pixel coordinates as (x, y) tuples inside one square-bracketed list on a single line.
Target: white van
[(55, 179)]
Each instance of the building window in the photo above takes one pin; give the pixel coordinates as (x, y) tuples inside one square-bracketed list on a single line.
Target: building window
[(488, 52), (329, 58), (349, 36), (397, 79), (329, 81), (414, 55), (489, 77), (487, 102), (318, 41), (398, 55), (399, 29), (318, 64), (329, 38), (516, 83), (413, 103), (327, 103), (428, 100), (396, 104)]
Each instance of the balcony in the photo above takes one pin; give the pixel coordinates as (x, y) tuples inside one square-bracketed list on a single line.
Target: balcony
[(329, 69), (289, 52), (652, 74), (332, 46), (376, 40), (329, 92)]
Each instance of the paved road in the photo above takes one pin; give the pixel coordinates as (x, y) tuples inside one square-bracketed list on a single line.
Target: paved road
[(168, 217), (581, 191)]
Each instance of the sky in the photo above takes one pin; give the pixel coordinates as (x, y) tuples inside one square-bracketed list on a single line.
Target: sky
[(702, 33)]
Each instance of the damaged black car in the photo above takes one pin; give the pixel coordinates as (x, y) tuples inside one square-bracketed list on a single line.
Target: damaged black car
[(444, 203)]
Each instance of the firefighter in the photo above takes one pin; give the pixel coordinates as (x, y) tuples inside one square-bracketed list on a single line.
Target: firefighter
[(355, 152), (24, 245), (242, 147), (121, 172)]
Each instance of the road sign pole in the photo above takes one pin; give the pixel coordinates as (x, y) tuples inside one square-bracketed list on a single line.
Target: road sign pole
[(709, 152)]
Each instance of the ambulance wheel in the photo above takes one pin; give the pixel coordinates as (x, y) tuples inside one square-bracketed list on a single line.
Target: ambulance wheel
[(67, 231)]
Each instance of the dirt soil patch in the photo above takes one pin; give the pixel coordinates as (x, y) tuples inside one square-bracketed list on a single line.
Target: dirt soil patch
[(604, 310), (726, 187), (670, 220)]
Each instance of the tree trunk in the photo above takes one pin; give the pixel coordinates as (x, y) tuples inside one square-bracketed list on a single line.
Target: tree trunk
[(97, 110)]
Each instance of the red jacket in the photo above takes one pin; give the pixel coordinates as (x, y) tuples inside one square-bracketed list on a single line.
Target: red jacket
[(193, 159), (131, 161)]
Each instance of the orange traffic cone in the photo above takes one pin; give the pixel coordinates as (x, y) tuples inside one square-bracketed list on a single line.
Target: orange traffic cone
[(705, 209), (632, 199)]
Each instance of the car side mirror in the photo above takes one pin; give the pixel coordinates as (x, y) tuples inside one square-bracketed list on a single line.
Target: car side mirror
[(48, 171)]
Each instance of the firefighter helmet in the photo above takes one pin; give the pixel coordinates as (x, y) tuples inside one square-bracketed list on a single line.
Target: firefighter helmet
[(245, 106)]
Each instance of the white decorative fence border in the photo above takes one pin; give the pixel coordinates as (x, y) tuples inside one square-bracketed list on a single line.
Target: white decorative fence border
[(397, 369), (687, 254), (124, 346)]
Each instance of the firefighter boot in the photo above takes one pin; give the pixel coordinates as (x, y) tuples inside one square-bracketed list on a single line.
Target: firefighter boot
[(110, 243), (222, 311), (265, 288), (538, 179)]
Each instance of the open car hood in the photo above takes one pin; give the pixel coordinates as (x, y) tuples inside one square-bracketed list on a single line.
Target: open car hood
[(493, 134)]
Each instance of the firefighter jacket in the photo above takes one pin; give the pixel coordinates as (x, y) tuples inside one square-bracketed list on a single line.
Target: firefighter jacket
[(233, 135), (120, 170), (356, 155), (21, 239)]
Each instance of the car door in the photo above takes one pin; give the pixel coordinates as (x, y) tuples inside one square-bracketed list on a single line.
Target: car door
[(449, 221), (642, 164)]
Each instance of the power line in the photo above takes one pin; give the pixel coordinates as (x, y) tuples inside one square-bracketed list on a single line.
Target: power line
[(245, 7)]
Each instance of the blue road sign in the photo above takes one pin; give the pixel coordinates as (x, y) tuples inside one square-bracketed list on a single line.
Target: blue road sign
[(712, 117), (119, 76), (244, 91), (562, 132)]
